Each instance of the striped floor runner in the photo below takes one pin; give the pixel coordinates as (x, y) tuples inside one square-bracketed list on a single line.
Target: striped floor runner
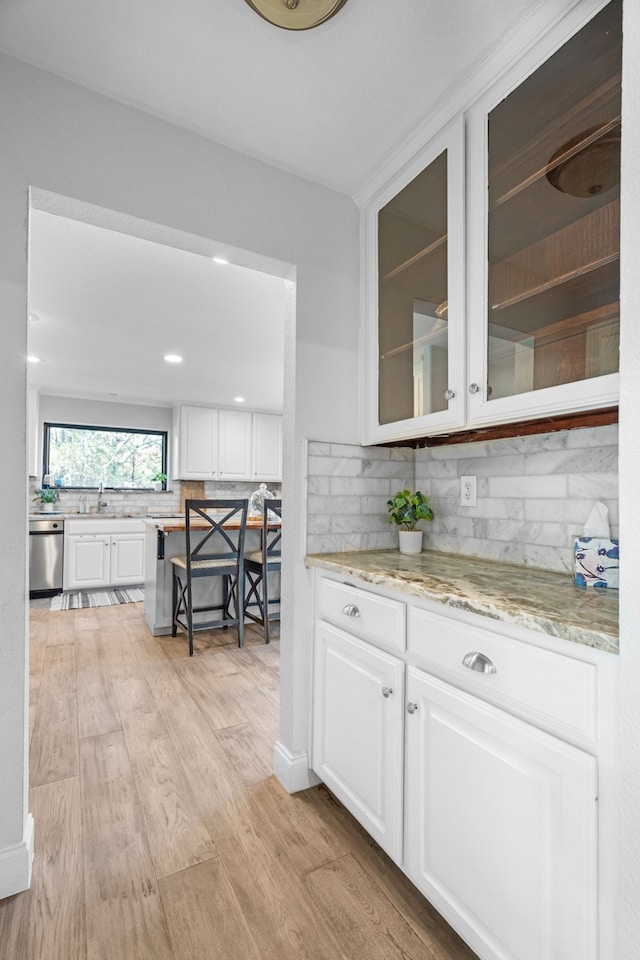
[(80, 599)]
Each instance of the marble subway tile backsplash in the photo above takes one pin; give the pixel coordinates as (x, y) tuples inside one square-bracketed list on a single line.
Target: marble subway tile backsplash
[(347, 489), (534, 493)]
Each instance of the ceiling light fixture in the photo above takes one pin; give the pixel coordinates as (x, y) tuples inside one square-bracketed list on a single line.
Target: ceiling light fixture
[(33, 317), (239, 399), (172, 358), (296, 14), (33, 359), (220, 260)]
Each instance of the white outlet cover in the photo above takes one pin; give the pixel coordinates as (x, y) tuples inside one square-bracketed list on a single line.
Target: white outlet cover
[(468, 491)]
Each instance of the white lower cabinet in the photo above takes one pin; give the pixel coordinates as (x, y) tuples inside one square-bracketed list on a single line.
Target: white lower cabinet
[(357, 731), (95, 559), (501, 826), (468, 779)]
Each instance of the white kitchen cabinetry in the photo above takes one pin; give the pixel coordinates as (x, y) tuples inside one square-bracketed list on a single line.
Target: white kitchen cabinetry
[(357, 731), (103, 553), (266, 459), (501, 826), (197, 429), (234, 445), (212, 444), (493, 753), (536, 244)]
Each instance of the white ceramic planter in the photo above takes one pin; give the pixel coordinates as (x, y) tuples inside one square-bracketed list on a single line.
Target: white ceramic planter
[(47, 507), (410, 541)]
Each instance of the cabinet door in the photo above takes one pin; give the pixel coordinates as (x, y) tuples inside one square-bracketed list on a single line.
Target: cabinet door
[(127, 558), (266, 460), (414, 289), (501, 827), (545, 277), (234, 445), (198, 445), (86, 562), (357, 731)]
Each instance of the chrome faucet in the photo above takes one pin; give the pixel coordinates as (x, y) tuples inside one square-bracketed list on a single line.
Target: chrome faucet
[(101, 503)]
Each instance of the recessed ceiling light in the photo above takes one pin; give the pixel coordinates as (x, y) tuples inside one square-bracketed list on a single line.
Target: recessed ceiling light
[(172, 358), (220, 260), (239, 399), (33, 359), (33, 317)]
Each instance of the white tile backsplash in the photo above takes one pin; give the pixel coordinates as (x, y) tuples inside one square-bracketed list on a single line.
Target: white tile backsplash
[(534, 493)]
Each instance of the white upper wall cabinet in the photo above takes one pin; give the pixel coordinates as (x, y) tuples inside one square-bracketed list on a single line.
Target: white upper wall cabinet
[(266, 460), (212, 444), (492, 265), (197, 436), (544, 231), (414, 333), (234, 445)]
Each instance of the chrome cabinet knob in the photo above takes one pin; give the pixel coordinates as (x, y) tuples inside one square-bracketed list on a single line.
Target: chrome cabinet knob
[(386, 692), (474, 388), (350, 610), (412, 708), (478, 661), (449, 394)]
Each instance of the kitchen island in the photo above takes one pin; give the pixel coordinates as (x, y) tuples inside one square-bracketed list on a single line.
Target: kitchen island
[(164, 539)]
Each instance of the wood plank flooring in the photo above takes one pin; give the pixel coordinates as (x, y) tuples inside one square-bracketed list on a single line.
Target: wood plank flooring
[(161, 833)]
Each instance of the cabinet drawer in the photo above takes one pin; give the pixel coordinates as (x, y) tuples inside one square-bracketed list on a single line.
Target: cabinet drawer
[(367, 615), (544, 685)]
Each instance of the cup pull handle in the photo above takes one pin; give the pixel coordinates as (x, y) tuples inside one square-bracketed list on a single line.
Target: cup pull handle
[(350, 610), (478, 661)]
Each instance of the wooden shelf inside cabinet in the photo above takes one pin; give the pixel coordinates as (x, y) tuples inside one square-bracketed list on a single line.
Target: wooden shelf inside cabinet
[(588, 246)]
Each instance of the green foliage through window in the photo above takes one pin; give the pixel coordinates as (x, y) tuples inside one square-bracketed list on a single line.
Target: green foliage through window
[(88, 456)]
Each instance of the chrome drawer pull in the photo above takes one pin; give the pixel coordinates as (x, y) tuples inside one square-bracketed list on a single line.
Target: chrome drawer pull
[(386, 692), (478, 661), (350, 610)]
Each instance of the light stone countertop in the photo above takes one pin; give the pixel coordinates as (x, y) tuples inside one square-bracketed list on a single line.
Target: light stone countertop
[(540, 600)]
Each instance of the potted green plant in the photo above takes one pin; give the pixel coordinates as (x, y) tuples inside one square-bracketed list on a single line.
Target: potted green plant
[(405, 509), (46, 499), (159, 481)]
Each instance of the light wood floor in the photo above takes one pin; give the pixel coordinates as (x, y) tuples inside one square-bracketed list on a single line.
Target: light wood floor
[(160, 832)]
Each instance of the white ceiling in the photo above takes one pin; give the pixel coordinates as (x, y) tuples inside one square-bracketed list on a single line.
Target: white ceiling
[(109, 307), (329, 103)]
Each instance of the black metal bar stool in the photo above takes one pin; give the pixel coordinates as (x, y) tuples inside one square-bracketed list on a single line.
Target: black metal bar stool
[(211, 552), (259, 564)]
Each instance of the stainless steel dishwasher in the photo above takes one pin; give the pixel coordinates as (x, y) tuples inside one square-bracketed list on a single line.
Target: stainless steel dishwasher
[(46, 548)]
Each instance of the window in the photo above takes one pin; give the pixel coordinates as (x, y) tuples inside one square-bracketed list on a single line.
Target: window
[(88, 456)]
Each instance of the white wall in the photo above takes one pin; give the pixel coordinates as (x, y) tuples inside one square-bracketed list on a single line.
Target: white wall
[(61, 138), (104, 413), (628, 925)]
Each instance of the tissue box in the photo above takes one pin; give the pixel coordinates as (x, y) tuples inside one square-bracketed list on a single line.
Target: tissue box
[(596, 562)]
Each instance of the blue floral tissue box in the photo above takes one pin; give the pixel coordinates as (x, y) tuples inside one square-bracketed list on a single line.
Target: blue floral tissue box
[(597, 562)]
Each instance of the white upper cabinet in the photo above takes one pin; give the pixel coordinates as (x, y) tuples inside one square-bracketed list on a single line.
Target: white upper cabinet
[(492, 265), (234, 445), (197, 443), (266, 460), (414, 306), (214, 444), (544, 231)]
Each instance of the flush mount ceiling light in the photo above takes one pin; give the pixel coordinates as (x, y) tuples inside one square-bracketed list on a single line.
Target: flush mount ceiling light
[(220, 260), (33, 359), (239, 399), (296, 14), (172, 358)]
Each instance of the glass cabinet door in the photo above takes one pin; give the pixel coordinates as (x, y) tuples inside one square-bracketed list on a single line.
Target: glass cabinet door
[(553, 182), (418, 347)]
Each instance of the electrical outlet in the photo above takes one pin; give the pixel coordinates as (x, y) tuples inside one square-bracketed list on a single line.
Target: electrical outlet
[(468, 491)]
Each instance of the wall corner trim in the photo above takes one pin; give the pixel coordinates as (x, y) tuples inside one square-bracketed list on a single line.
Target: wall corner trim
[(16, 862), (292, 769)]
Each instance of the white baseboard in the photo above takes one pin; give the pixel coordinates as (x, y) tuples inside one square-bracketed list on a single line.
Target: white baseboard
[(292, 769), (16, 862)]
